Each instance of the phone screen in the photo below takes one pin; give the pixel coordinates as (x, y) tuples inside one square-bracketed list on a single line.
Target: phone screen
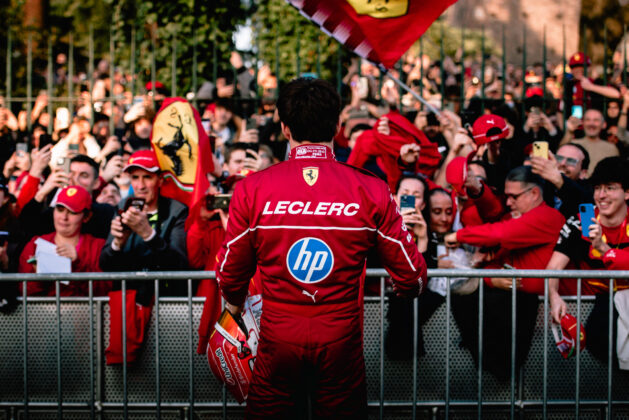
[(577, 111), (407, 202), (586, 213)]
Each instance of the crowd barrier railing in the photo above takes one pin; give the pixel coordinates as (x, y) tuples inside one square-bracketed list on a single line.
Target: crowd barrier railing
[(53, 358)]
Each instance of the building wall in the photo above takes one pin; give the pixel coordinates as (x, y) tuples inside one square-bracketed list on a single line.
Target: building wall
[(515, 15)]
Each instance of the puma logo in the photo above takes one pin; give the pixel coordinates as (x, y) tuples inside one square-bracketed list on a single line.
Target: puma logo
[(311, 295)]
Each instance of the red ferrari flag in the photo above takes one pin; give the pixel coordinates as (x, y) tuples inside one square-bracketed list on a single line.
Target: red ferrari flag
[(183, 151), (378, 30)]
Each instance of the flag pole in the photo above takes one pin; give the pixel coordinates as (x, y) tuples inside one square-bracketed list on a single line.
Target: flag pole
[(401, 84)]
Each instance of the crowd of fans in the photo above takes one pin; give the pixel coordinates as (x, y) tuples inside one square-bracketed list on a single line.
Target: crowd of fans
[(488, 182)]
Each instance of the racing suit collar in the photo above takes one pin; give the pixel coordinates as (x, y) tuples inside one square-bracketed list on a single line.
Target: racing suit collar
[(312, 151)]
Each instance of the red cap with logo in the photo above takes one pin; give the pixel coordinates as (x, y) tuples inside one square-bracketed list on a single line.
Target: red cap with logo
[(579, 59), (75, 198), (566, 342), (143, 159), (488, 128)]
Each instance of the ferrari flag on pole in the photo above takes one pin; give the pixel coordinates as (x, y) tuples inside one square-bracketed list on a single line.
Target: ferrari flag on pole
[(183, 151), (378, 30)]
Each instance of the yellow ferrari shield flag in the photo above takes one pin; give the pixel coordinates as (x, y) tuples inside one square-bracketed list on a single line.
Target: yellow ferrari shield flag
[(183, 151)]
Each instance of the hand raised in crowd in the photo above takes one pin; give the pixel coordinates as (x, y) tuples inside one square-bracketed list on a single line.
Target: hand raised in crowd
[(22, 160), (533, 122), (596, 236), (473, 185), (9, 167), (409, 153), (383, 126), (119, 232), (57, 179), (586, 84), (137, 221), (462, 144), (573, 123), (113, 168), (67, 250), (253, 161), (547, 169), (449, 121), (111, 145), (414, 220), (450, 240), (249, 136), (444, 262), (40, 160)]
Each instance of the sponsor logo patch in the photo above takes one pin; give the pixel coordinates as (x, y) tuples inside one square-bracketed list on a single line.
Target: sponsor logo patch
[(310, 260), (311, 174)]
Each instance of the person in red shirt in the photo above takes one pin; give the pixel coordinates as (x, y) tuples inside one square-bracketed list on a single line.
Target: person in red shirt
[(524, 239), (72, 209), (307, 225)]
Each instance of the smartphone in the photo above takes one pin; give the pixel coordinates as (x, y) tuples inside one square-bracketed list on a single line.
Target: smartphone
[(218, 201), (251, 124), (540, 149), (206, 125), (586, 213), (44, 140), (64, 164), (535, 110), (136, 202), (73, 147), (577, 111), (407, 202), (363, 87), (251, 146), (4, 236), (21, 148)]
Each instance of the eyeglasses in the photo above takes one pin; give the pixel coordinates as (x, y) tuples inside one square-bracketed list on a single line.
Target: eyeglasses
[(516, 196), (569, 161), (610, 188)]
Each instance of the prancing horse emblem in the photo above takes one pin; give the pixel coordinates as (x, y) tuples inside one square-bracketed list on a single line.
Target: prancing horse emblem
[(311, 174)]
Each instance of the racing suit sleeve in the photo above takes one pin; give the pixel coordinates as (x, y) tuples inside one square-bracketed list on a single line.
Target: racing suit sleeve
[(236, 260), (398, 252)]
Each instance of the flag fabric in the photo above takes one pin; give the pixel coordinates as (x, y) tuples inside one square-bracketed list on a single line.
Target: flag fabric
[(378, 30), (386, 148), (183, 151)]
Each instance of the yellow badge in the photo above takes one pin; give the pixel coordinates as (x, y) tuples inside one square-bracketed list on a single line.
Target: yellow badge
[(311, 174), (71, 192), (380, 9)]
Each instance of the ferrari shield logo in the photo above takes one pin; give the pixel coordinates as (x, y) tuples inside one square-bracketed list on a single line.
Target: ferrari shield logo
[(311, 174), (380, 8)]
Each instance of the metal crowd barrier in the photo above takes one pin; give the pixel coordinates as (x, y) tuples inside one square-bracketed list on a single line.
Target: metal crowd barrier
[(180, 385)]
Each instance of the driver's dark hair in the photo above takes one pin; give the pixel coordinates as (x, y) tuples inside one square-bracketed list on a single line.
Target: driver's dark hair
[(310, 108)]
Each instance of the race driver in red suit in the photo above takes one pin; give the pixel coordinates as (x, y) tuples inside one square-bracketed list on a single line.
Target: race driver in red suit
[(307, 224)]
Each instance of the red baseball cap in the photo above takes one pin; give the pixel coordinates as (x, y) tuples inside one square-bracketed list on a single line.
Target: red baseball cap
[(579, 59), (75, 198), (488, 128), (534, 91), (566, 342), (456, 174), (143, 159), (158, 86)]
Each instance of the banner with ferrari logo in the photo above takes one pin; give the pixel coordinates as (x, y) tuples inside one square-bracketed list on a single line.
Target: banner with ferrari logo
[(378, 30), (183, 151)]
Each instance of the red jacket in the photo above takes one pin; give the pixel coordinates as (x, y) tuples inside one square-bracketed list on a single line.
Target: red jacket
[(307, 224), (526, 242), (88, 253)]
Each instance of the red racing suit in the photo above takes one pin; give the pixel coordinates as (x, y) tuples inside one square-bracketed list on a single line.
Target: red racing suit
[(307, 225)]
